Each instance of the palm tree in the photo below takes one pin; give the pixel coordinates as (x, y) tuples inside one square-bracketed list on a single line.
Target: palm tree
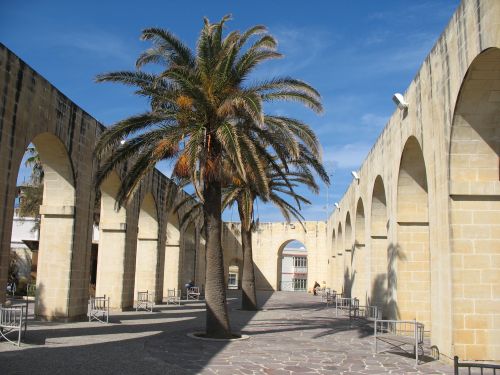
[(197, 103), (31, 194), (281, 186), (33, 161)]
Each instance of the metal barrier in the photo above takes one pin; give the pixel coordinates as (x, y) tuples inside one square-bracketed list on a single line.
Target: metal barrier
[(474, 365), (370, 312), (350, 305), (330, 297), (98, 309), (399, 333)]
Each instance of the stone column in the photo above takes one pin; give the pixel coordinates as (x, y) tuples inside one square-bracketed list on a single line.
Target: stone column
[(171, 270), (111, 263), (146, 268), (54, 262)]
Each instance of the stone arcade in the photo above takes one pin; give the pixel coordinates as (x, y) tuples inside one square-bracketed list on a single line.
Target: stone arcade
[(417, 235)]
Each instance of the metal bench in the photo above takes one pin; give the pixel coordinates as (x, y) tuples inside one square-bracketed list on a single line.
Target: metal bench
[(13, 319), (144, 301), (400, 333), (193, 293), (174, 296), (99, 309), (474, 365)]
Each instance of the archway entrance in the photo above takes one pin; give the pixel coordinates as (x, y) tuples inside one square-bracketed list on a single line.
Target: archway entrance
[(359, 257), (475, 207), (49, 189), (412, 255), (339, 260), (379, 246), (292, 267)]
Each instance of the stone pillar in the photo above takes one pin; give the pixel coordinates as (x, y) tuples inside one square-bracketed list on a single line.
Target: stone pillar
[(54, 262), (146, 269), (111, 263), (171, 270)]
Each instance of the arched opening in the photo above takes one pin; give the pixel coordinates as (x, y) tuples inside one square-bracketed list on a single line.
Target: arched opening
[(171, 273), (339, 264), (378, 235), (112, 244), (475, 209), (333, 258), (348, 247), (49, 229), (292, 267), (24, 241), (360, 259), (412, 255), (147, 256)]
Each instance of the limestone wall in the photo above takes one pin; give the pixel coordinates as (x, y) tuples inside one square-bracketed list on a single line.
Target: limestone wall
[(430, 194), (33, 111)]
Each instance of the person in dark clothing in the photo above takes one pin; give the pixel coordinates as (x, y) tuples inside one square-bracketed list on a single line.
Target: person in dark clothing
[(316, 285)]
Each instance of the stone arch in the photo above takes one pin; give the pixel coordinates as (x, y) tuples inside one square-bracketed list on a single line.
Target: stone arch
[(412, 254), (347, 267), (333, 258), (339, 260), (147, 255), (378, 236), (55, 269), (171, 274), (112, 244), (475, 208), (284, 261), (360, 260)]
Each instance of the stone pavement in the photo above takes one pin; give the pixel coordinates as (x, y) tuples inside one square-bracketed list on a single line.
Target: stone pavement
[(293, 334)]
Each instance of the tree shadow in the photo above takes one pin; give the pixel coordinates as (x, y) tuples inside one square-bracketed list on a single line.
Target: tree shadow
[(384, 288), (349, 279)]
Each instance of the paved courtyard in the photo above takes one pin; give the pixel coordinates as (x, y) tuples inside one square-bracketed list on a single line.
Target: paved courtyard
[(292, 334)]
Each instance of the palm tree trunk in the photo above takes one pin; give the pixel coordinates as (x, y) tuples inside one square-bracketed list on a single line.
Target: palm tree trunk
[(217, 319), (249, 296)]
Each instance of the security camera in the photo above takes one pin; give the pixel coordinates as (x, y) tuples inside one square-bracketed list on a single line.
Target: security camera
[(355, 175), (400, 101), (337, 205)]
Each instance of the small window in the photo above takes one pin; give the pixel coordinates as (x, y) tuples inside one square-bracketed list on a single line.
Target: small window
[(232, 282), (299, 284), (299, 261)]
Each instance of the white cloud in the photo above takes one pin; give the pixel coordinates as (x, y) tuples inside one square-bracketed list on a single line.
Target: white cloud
[(301, 48), (100, 44), (348, 156), (371, 119)]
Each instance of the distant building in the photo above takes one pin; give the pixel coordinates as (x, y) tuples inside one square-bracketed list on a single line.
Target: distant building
[(294, 269), (24, 245)]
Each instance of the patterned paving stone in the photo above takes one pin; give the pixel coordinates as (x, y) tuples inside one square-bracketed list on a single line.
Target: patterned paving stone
[(295, 334)]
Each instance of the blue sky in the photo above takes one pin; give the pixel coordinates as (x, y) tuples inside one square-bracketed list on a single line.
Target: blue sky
[(357, 54)]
